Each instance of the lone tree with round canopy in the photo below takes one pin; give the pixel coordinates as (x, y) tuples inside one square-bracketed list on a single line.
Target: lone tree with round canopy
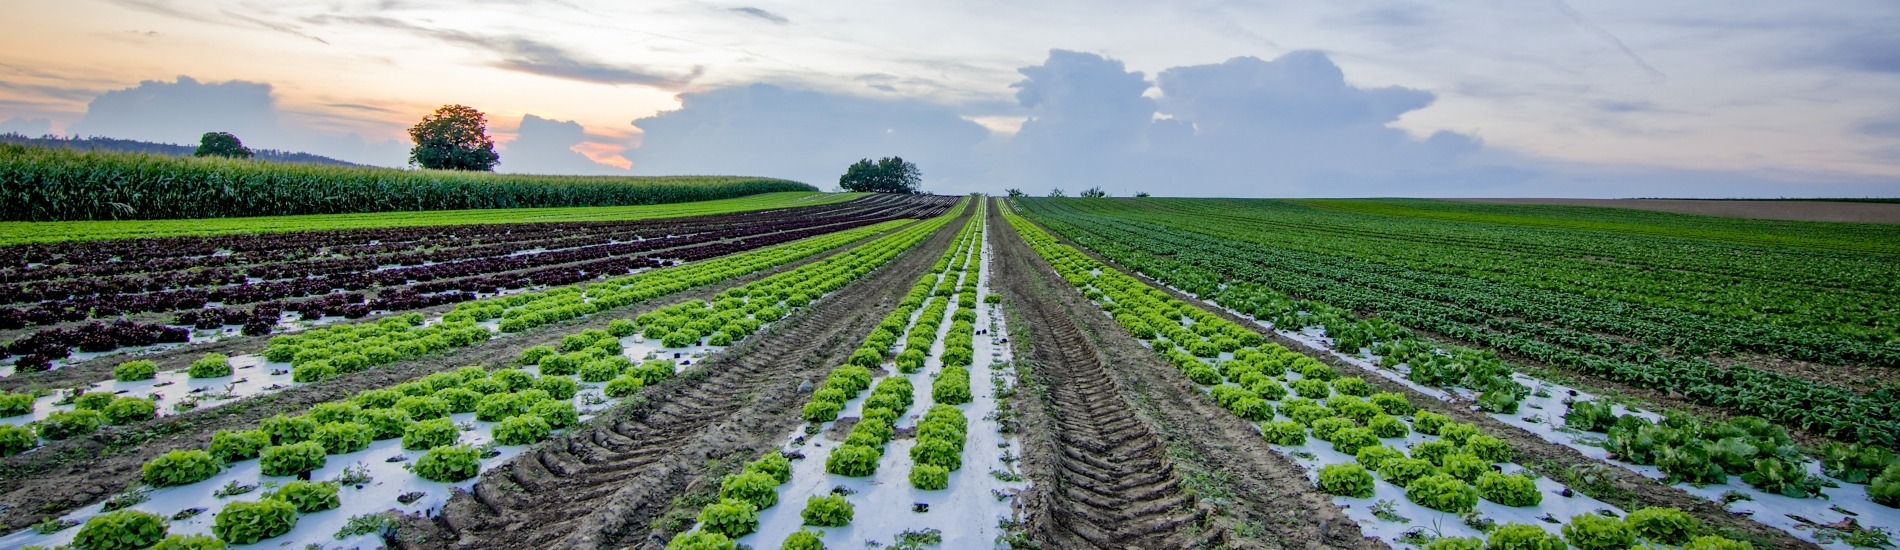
[(454, 137), (221, 144), (886, 175)]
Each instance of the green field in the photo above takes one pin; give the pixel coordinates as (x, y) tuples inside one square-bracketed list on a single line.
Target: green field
[(56, 184), (12, 233), (1648, 299)]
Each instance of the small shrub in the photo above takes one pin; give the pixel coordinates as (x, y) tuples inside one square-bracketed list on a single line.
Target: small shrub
[(929, 477), (1457, 432), (424, 408), (1466, 467), (1444, 493), (246, 522), (1392, 403), (15, 440), (1353, 385), (1375, 456), (308, 496), (701, 540), (773, 464), (429, 434), (827, 511), (449, 463), (189, 542), (343, 437), (15, 404), (1434, 451), (460, 400), (384, 423), (524, 429), (131, 371), (1509, 490), (1712, 542), (292, 459), (1428, 422), (121, 530), (1664, 525), (1351, 440), (1518, 536), (757, 488), (805, 539), (1595, 532), (179, 468), (285, 430), (1456, 543), (68, 424), (558, 414), (212, 365), (623, 385), (1489, 448), (732, 518), (92, 401), (853, 460), (233, 446), (1283, 432), (128, 410), (1350, 480)]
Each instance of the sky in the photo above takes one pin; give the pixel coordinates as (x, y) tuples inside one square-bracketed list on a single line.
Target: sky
[(1615, 98)]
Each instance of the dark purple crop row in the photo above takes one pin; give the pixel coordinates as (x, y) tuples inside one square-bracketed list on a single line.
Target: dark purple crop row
[(402, 289)]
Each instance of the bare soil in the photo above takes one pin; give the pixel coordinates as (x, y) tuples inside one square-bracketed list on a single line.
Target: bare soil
[(64, 475), (1812, 211), (1134, 456), (601, 485), (1583, 474)]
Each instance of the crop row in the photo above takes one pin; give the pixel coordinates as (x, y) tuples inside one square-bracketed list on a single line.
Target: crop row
[(916, 318), (500, 266), (1259, 281), (61, 184), (514, 406), (1442, 468), (326, 352), (1565, 280), (37, 350)]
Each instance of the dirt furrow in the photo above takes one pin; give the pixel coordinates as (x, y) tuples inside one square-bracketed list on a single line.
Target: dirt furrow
[(600, 485), (1218, 462)]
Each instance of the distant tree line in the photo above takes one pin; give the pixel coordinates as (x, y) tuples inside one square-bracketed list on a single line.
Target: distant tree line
[(885, 175), (167, 149)]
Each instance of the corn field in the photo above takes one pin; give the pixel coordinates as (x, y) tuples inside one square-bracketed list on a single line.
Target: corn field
[(44, 184)]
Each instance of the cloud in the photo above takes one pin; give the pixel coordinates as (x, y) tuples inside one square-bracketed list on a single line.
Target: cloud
[(1870, 51), (545, 146), (761, 14), (1087, 116), (182, 110), (30, 127), (531, 56), (1886, 127), (767, 130), (279, 27)]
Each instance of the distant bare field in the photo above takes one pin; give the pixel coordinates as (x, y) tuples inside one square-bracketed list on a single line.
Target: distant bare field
[(1814, 211)]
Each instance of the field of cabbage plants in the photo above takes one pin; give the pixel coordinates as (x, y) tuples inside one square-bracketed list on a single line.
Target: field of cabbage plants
[(809, 371)]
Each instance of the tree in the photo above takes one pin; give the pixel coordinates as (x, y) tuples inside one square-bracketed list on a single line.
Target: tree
[(1057, 192), (1014, 192), (1141, 194), (454, 137), (221, 144), (1093, 193), (886, 175)]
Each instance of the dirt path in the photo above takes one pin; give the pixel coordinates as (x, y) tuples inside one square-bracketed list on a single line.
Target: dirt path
[(1133, 457), (1610, 484), (1812, 211), (64, 475), (600, 485)]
